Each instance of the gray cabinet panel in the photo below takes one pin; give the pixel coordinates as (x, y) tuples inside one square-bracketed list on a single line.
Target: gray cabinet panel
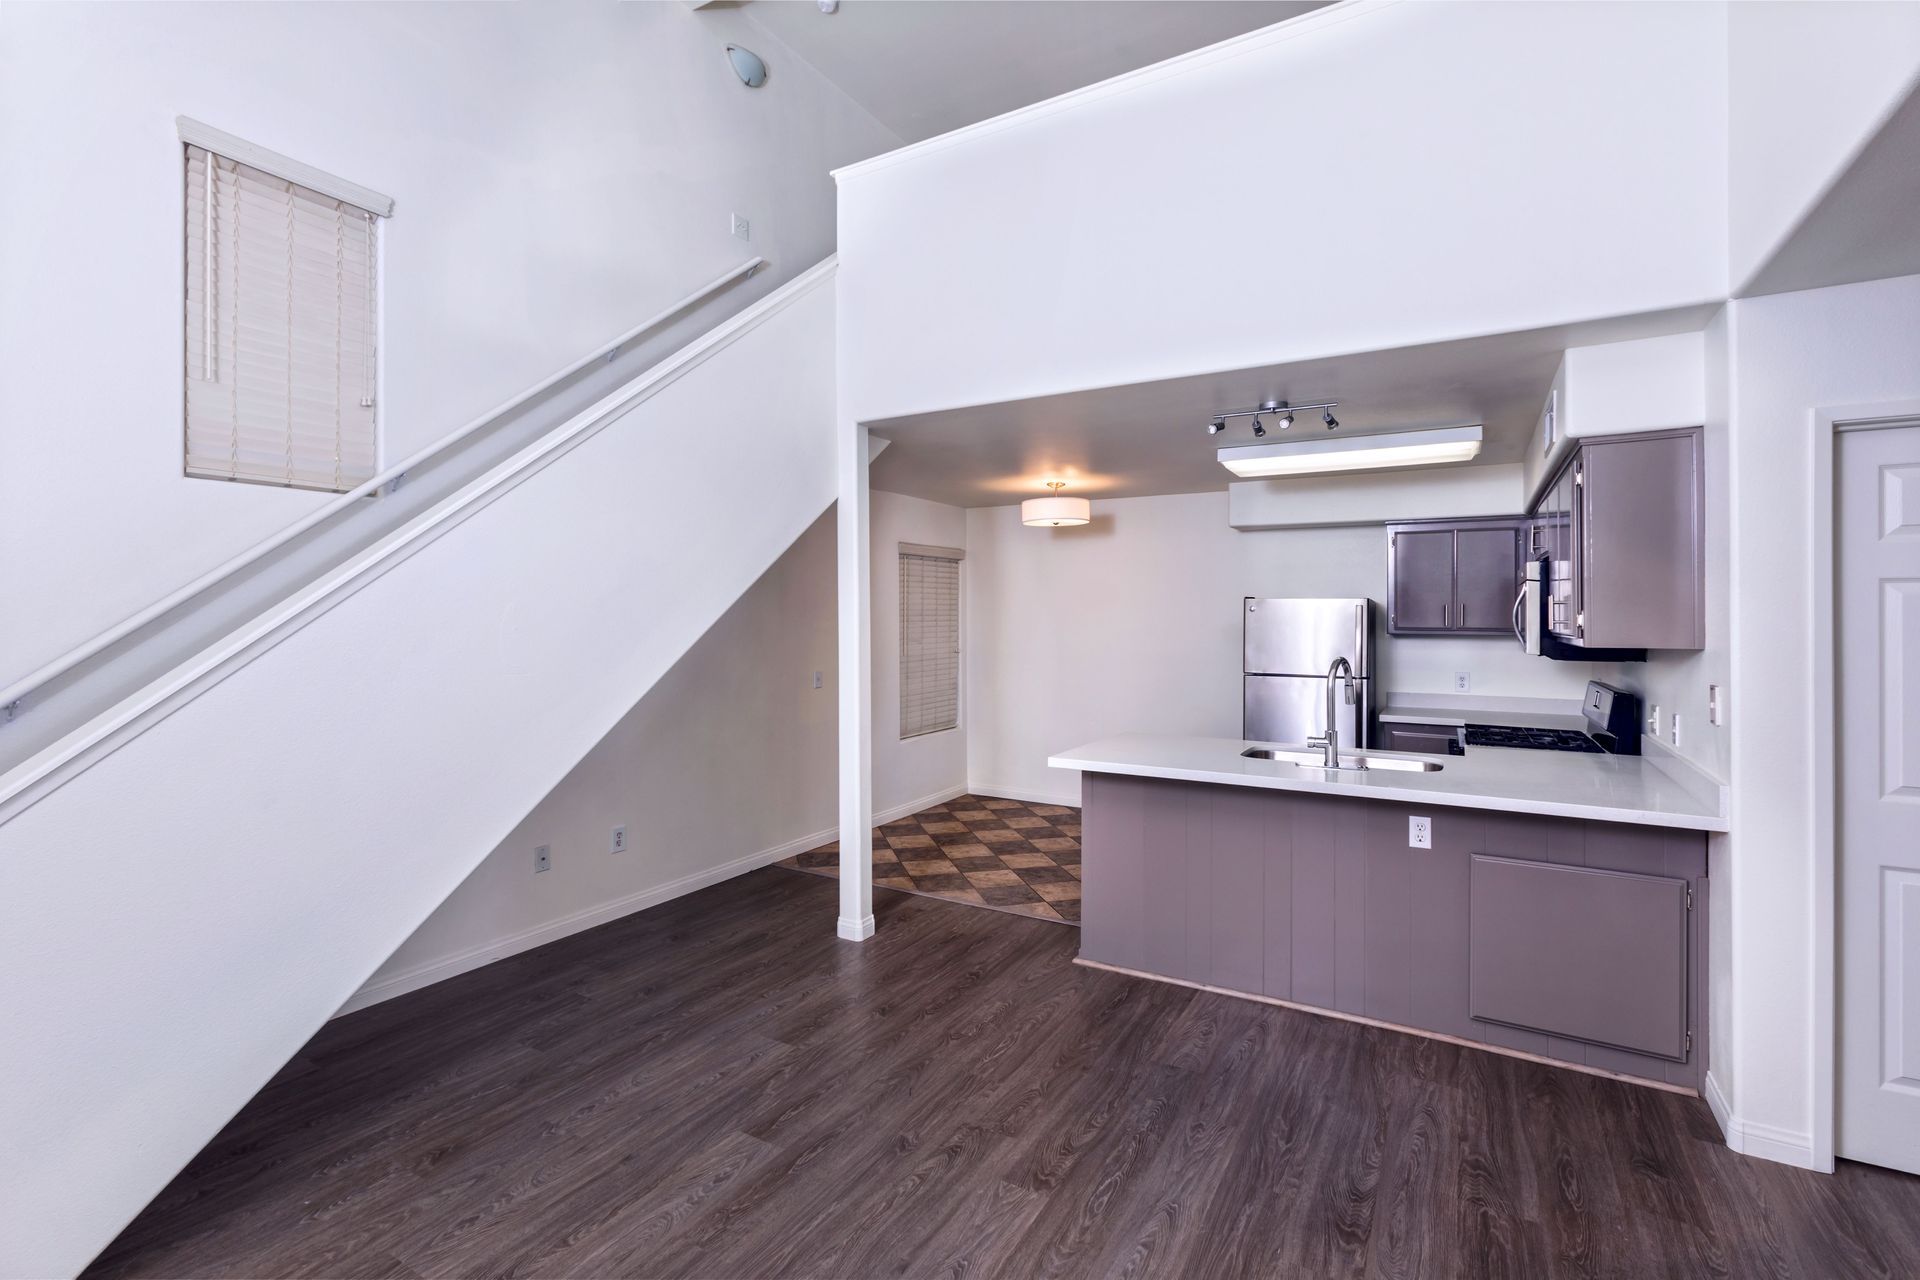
[(1576, 948), (1581, 953), (1237, 952), (1642, 564), (1420, 589), (1624, 523), (1486, 577), (1454, 577)]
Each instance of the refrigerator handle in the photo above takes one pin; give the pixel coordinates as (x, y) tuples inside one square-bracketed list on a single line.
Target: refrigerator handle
[(1361, 639)]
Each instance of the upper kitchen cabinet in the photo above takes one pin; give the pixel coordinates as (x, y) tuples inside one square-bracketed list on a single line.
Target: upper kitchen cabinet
[(1622, 525), (1452, 577)]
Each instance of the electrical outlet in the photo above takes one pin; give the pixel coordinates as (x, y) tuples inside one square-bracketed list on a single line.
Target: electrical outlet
[(618, 844), (1713, 705), (1463, 682), (1419, 832), (1675, 736), (1653, 720), (542, 859), (742, 229), (816, 679)]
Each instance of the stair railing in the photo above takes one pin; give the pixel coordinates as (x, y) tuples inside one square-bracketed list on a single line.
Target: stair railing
[(12, 696)]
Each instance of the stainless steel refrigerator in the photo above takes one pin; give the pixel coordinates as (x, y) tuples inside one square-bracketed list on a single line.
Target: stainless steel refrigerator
[(1289, 644)]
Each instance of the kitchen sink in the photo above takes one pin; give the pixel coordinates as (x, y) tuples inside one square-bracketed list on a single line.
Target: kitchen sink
[(1317, 760)]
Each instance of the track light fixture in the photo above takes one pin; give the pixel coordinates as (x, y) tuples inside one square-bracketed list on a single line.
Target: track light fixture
[(1279, 410)]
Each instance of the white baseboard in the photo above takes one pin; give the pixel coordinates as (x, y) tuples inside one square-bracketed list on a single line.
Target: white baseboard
[(513, 944), (1762, 1141), (1024, 794), (882, 816), (1782, 1146)]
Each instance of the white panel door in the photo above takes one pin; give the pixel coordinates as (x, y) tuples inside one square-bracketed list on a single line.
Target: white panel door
[(1878, 795)]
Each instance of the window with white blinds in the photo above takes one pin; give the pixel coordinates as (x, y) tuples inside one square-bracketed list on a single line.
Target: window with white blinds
[(929, 639), (281, 328)]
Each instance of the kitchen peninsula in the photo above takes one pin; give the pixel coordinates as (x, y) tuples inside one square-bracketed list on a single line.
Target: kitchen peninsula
[(1530, 902)]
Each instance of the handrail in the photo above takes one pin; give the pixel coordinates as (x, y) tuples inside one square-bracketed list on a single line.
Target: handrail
[(73, 657)]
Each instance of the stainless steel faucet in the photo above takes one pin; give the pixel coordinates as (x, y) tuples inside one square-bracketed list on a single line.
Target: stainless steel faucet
[(1331, 742)]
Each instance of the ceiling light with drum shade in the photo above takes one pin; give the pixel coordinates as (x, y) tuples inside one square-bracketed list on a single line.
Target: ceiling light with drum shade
[(1055, 510)]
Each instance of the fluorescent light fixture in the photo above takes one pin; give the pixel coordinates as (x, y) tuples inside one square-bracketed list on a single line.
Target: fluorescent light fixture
[(1352, 453)]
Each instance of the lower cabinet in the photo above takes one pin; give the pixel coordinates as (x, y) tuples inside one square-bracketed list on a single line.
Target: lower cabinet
[(1580, 952), (1583, 942)]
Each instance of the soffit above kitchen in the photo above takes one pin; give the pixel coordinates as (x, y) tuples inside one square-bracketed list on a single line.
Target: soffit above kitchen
[(1151, 438), (927, 67)]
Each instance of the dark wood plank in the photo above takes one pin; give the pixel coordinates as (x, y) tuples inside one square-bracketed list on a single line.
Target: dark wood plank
[(720, 1087)]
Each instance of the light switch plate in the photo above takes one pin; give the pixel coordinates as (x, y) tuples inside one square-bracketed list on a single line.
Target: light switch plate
[(742, 229), (1419, 832)]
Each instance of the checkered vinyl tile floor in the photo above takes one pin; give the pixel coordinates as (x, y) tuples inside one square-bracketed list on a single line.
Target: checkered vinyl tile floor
[(980, 850)]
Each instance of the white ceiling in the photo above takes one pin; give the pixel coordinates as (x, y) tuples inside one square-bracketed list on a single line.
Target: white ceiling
[(1151, 438), (926, 67)]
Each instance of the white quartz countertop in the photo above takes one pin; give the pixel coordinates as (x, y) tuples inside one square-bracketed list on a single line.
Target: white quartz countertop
[(1605, 788)]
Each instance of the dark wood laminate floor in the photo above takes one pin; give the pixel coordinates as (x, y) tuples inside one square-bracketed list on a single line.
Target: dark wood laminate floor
[(719, 1088)]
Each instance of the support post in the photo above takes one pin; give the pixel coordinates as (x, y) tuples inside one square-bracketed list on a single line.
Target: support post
[(856, 687)]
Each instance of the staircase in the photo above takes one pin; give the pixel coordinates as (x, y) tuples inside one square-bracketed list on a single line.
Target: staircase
[(195, 878)]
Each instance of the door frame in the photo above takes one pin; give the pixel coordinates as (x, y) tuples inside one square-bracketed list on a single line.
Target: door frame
[(1828, 425)]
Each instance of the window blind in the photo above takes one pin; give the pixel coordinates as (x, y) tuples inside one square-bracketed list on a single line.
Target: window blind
[(929, 640), (280, 330)]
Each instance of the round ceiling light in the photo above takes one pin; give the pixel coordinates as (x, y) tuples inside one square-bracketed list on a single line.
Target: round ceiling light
[(748, 65), (1054, 511)]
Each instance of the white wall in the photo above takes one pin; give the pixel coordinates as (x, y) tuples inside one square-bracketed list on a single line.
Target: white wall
[(1808, 81), (725, 765), (1614, 388), (1366, 177), (1132, 624), (932, 766), (560, 171), (1792, 355)]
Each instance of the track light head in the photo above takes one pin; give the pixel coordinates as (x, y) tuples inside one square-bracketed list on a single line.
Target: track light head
[(1326, 416), (1258, 430), (1286, 419), (1215, 427)]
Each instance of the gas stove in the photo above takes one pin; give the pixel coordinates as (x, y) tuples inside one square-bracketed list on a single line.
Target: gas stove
[(1489, 735)]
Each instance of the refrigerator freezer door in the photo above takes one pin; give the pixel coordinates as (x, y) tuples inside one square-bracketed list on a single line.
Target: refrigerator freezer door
[(1303, 637), (1294, 708)]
